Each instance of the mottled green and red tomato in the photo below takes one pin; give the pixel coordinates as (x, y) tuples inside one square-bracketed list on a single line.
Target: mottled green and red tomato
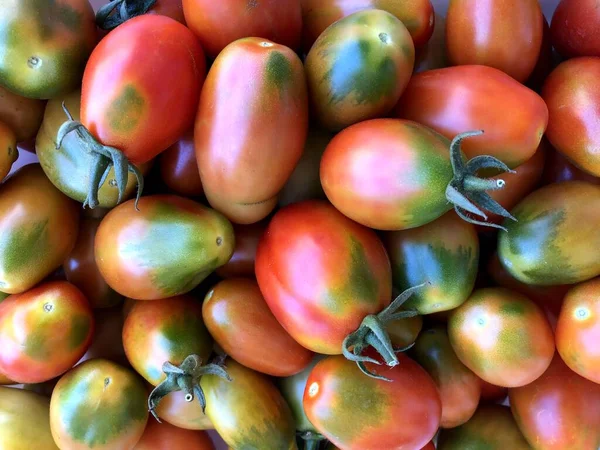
[(8, 150), (98, 405), (360, 413), (176, 410), (502, 336), (244, 164), (241, 263), (165, 249), (164, 436), (358, 67), (321, 274), (179, 169), (38, 229), (22, 115), (574, 28)]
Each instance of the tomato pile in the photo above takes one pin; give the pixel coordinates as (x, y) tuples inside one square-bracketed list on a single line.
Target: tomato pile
[(299, 224)]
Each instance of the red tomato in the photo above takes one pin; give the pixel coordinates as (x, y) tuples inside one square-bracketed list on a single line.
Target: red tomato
[(558, 169), (179, 169), (241, 263), (163, 436), (169, 8), (574, 28), (545, 62), (490, 393)]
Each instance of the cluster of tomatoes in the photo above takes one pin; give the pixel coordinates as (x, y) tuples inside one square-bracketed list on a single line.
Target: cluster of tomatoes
[(320, 224)]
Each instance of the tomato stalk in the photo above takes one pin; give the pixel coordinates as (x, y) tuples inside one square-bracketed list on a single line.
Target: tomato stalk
[(117, 12)]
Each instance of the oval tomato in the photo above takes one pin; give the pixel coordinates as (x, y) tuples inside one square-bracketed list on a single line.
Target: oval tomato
[(358, 68), (553, 239), (357, 412), (22, 115), (8, 150), (179, 169), (513, 117), (107, 342), (38, 229), (99, 405), (486, 32), (558, 168), (444, 252), (502, 336), (459, 388), (176, 410), (165, 249), (111, 15), (163, 436), (241, 263), (240, 321), (574, 28), (249, 411), (243, 164), (560, 410)]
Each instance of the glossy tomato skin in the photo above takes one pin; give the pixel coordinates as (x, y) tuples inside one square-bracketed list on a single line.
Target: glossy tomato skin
[(249, 411), (388, 174), (25, 420), (164, 330), (174, 409), (574, 28), (513, 117), (8, 150), (243, 163), (165, 249), (444, 252), (241, 263), (45, 45), (485, 33), (560, 410), (551, 241), (403, 332), (358, 67), (240, 321), (164, 436), (573, 98), (357, 412), (321, 274), (459, 388), (558, 168), (22, 115), (492, 427), (68, 166), (179, 169), (112, 412), (123, 101), (38, 229)]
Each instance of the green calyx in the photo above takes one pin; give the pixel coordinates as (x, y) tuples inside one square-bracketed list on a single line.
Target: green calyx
[(103, 158), (467, 192), (117, 12), (186, 378), (372, 333), (311, 440)]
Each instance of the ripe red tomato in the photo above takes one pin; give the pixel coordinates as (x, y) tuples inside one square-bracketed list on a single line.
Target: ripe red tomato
[(574, 28), (179, 169), (241, 263), (22, 115), (490, 393), (164, 436)]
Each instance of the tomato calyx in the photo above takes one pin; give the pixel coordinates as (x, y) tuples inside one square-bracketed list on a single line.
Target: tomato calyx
[(311, 439), (467, 192), (103, 159), (372, 333), (186, 378), (117, 12)]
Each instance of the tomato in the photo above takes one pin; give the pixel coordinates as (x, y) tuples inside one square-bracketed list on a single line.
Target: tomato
[(107, 342), (433, 54), (358, 68), (486, 32), (163, 436), (111, 15), (492, 427), (4, 380), (558, 168), (573, 99), (217, 24), (490, 393), (38, 229), (545, 61), (553, 239), (429, 446), (444, 252), (416, 15), (241, 263), (574, 28), (249, 411), (459, 388), (22, 115), (244, 164), (98, 404), (403, 332), (239, 320), (502, 336), (165, 249), (8, 150), (25, 420), (560, 410), (358, 412), (176, 410), (513, 117), (178, 167)]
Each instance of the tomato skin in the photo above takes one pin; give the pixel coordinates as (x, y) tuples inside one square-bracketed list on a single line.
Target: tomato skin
[(107, 342), (243, 164), (38, 229), (558, 168), (560, 410), (240, 321), (175, 410), (490, 393), (165, 249), (551, 241), (485, 33), (444, 252), (179, 169), (111, 415), (459, 388), (358, 412), (169, 8), (358, 67), (22, 115), (164, 436), (8, 150), (429, 446), (25, 420), (123, 101), (574, 28), (321, 274), (502, 336), (403, 332), (492, 427), (249, 411), (513, 117), (241, 263)]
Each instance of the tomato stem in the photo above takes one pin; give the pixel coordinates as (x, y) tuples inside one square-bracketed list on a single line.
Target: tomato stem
[(117, 12)]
